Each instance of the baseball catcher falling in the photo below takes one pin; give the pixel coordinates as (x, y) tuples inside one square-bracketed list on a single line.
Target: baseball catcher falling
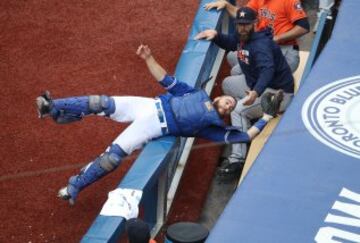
[(182, 111)]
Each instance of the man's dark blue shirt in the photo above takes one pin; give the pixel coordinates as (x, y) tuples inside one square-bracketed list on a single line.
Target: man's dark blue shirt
[(261, 61)]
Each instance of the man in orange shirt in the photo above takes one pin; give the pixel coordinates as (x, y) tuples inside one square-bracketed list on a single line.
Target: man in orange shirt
[(286, 18), (288, 21)]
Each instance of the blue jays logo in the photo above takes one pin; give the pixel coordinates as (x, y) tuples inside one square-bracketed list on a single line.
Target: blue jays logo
[(209, 106), (331, 114)]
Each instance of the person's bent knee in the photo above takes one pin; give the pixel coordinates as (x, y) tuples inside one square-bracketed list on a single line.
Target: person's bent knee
[(101, 103), (227, 85), (236, 70), (111, 159), (231, 58)]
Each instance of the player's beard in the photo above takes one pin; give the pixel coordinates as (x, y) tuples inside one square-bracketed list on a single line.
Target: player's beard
[(245, 35)]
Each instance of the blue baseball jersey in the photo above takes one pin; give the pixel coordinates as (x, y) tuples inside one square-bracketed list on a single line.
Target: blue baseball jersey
[(211, 127)]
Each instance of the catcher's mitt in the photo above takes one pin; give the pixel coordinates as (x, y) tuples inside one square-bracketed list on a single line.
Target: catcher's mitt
[(270, 102)]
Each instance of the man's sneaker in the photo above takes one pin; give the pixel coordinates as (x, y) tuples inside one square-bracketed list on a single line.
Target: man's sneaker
[(63, 193), (230, 171), (43, 104), (69, 192)]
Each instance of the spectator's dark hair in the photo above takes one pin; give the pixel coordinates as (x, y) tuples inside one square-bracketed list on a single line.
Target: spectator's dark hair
[(138, 231)]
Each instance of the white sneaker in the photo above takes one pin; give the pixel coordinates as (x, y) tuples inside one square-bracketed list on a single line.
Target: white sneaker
[(43, 104), (64, 194)]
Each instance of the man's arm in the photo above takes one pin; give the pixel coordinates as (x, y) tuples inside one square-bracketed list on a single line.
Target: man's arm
[(297, 16), (265, 65), (296, 32), (264, 62), (226, 42), (222, 135), (221, 4), (206, 34), (270, 104), (250, 97), (171, 84), (157, 71), (176, 87), (232, 135)]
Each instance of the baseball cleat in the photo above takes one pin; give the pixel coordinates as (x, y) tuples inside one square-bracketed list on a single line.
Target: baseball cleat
[(228, 172), (70, 192), (64, 195), (43, 103)]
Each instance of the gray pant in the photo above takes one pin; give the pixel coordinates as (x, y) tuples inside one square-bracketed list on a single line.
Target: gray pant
[(242, 115), (291, 55)]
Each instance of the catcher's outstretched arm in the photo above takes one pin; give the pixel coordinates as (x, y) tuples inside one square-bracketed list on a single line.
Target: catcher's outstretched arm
[(232, 134), (258, 126), (157, 71)]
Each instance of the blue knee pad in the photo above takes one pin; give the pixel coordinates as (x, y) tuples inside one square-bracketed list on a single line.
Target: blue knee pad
[(103, 103), (95, 170), (111, 160), (75, 108)]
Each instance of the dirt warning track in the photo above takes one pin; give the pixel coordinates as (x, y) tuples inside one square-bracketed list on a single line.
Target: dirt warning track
[(71, 48)]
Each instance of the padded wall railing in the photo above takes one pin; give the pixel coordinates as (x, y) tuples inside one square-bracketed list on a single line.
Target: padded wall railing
[(290, 192), (152, 171), (315, 48)]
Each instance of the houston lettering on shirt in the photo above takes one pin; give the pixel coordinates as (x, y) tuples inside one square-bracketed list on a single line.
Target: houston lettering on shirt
[(242, 54), (270, 17)]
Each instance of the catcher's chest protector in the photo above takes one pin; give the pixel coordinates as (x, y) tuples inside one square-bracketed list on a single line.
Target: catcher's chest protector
[(193, 112)]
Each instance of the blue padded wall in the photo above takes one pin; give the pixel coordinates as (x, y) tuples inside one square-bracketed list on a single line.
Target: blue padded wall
[(295, 183)]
